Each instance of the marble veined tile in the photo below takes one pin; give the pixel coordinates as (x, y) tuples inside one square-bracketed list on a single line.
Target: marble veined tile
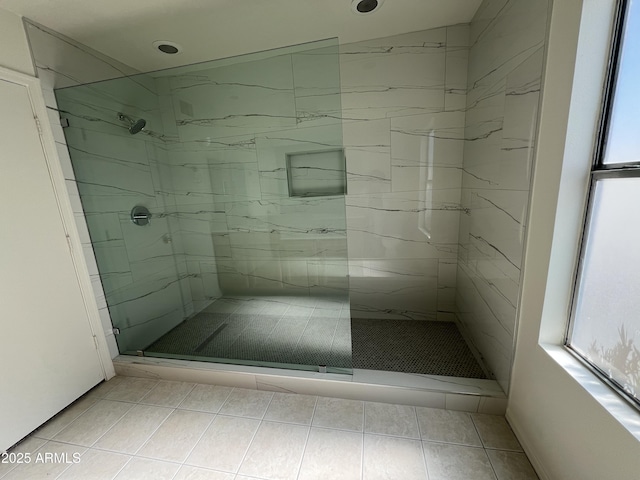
[(489, 320), (487, 282), (402, 225), (148, 242), (104, 226), (393, 76), (316, 71), (447, 270), (522, 92), (497, 227), (107, 151), (235, 99), (187, 181), (90, 108), (455, 98), (235, 181), (368, 155), (111, 256), (316, 75), (273, 148), (320, 219), (432, 139), (400, 288), (328, 276), (147, 309), (263, 277), (227, 150), (505, 34)]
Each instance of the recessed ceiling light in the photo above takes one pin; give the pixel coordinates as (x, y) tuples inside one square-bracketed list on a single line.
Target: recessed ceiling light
[(164, 46), (363, 7)]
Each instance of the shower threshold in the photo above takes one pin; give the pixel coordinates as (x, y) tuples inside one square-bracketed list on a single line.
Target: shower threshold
[(452, 393)]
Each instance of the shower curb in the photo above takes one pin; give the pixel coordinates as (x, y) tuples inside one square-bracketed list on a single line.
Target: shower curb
[(450, 393)]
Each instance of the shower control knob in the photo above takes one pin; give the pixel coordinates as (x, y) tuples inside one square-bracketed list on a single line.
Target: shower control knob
[(140, 215)]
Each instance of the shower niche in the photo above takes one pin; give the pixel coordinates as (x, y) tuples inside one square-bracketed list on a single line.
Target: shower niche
[(316, 174)]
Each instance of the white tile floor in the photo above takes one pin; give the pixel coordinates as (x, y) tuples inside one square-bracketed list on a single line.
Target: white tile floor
[(132, 428)]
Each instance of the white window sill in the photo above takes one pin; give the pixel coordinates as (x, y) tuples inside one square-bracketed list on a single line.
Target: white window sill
[(616, 406)]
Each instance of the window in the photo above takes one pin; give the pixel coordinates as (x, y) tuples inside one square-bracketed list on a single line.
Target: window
[(605, 320)]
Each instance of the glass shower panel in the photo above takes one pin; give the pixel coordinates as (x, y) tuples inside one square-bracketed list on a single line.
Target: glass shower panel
[(244, 258), (116, 171)]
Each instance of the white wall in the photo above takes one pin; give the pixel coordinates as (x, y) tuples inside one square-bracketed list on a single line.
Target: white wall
[(12, 34), (570, 425)]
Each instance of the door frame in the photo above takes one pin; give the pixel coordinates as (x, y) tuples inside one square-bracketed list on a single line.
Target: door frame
[(48, 144)]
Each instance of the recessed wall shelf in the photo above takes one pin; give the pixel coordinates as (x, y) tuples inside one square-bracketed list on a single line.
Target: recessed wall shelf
[(317, 174)]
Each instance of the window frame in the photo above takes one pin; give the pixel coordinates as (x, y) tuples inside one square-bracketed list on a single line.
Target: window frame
[(600, 171)]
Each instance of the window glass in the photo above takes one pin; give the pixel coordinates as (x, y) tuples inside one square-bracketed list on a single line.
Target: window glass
[(607, 312), (605, 317), (623, 142)]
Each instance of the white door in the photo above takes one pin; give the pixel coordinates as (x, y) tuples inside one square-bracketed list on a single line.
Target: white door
[(48, 355)]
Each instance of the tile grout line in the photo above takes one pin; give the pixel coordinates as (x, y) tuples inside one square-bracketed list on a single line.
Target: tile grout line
[(70, 423), (261, 420), (152, 433), (174, 409), (168, 406), (216, 414), (105, 432), (484, 447), (134, 455), (306, 442), (362, 455), (121, 417), (182, 463)]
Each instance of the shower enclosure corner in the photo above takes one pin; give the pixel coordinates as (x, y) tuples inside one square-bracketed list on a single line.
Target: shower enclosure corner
[(214, 195)]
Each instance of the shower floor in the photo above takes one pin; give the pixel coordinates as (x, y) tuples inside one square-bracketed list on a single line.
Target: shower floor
[(317, 331), (283, 330), (411, 346)]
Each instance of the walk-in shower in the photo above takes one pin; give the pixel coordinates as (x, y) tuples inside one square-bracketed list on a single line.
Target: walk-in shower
[(323, 207)]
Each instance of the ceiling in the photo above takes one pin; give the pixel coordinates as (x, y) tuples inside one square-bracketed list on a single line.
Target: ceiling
[(211, 29)]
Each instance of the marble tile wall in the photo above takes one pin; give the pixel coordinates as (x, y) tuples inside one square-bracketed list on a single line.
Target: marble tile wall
[(216, 168), (402, 113), (504, 78), (403, 101), (235, 123)]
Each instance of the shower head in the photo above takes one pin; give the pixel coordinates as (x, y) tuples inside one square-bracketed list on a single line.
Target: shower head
[(135, 126)]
